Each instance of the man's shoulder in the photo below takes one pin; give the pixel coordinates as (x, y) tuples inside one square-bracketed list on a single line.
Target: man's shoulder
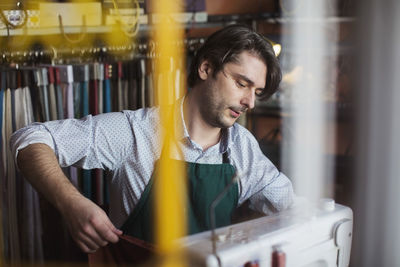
[(239, 131), (143, 114)]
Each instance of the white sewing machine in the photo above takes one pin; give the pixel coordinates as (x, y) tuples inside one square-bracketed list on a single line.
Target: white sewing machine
[(319, 235)]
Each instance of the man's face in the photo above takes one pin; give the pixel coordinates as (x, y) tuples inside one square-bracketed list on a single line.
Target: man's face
[(232, 91)]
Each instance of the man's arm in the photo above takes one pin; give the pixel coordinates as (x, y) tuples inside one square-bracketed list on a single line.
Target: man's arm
[(89, 225)]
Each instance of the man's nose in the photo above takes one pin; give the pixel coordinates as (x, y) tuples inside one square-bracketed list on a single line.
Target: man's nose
[(249, 99)]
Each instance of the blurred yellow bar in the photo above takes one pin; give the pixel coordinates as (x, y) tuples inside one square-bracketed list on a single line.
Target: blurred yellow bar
[(171, 201)]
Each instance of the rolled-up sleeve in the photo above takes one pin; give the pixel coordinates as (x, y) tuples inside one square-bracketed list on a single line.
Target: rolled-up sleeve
[(101, 141), (32, 134)]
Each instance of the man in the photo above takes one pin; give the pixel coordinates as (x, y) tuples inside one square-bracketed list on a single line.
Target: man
[(233, 67)]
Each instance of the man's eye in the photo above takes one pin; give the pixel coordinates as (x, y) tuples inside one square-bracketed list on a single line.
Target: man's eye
[(259, 92), (240, 84)]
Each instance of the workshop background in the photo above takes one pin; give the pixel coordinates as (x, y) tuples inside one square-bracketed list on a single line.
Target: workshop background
[(332, 127)]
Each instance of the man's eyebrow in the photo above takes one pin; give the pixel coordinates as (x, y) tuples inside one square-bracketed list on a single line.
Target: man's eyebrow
[(246, 79)]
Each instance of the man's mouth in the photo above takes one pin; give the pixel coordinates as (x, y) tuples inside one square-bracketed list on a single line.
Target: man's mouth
[(235, 113)]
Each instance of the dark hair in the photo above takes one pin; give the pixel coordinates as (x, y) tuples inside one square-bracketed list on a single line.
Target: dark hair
[(225, 46)]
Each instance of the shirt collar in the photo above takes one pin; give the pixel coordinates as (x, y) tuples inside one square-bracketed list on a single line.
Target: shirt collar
[(181, 131)]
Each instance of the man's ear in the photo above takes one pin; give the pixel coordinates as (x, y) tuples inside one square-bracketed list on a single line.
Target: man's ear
[(204, 70)]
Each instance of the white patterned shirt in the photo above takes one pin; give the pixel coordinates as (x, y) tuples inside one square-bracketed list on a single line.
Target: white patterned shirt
[(127, 143)]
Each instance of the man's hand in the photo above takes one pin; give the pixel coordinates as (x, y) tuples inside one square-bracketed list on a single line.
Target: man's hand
[(89, 225)]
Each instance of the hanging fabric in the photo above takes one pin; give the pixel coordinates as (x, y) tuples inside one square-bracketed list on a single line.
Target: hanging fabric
[(48, 92)]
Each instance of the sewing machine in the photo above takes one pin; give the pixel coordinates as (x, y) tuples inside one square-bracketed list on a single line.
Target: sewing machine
[(315, 235)]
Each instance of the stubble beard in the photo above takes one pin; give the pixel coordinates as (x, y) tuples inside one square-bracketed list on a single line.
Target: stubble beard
[(214, 112)]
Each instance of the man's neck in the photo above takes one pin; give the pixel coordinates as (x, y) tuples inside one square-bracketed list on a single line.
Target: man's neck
[(199, 131)]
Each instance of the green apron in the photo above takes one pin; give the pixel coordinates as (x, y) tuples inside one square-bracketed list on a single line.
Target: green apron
[(205, 182)]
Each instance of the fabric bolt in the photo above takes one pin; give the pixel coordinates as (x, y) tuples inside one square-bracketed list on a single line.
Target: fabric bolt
[(100, 78), (150, 90), (125, 92), (64, 90), (19, 111), (130, 75), (77, 100), (52, 93), (93, 97), (60, 102), (3, 142), (101, 96), (149, 84), (120, 88), (4, 185), (1, 114), (85, 98), (70, 101), (107, 95), (86, 174), (28, 108), (53, 102), (11, 186), (127, 144), (44, 91), (142, 63), (120, 95), (13, 109), (133, 91)]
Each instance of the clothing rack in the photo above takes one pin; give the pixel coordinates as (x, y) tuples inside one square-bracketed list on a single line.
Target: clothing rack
[(142, 49)]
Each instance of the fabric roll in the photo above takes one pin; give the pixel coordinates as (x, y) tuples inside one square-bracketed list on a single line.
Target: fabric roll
[(85, 98), (120, 95), (1, 115), (100, 75), (59, 94), (18, 109), (101, 96), (53, 102), (107, 95), (52, 94), (125, 94), (86, 174), (93, 97), (28, 107), (64, 90), (77, 100), (42, 83), (132, 80), (3, 166), (4, 185), (150, 90), (120, 88), (2, 158), (11, 186), (70, 101), (142, 77), (60, 102)]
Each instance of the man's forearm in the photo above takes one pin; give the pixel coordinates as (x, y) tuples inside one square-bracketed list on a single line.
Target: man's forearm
[(40, 167), (88, 224)]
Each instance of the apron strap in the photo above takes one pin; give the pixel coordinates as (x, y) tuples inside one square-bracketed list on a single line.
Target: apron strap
[(225, 158)]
